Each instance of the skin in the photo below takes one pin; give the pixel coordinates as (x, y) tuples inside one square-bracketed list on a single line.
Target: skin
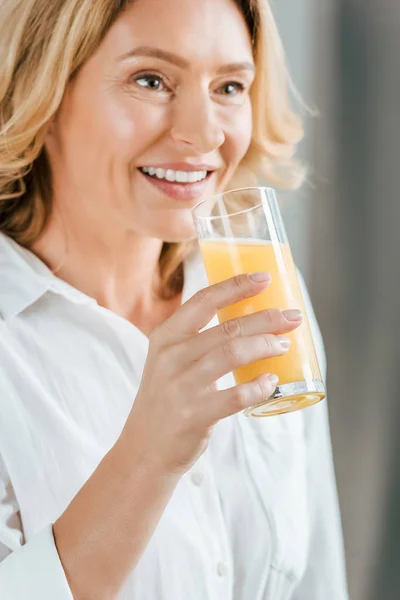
[(105, 236), (107, 216)]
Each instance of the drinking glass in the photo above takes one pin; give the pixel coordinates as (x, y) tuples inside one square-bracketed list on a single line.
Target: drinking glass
[(241, 231)]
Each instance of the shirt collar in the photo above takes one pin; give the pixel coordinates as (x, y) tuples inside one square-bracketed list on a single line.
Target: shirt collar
[(24, 279)]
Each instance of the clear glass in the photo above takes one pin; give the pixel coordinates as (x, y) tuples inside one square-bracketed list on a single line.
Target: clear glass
[(242, 231)]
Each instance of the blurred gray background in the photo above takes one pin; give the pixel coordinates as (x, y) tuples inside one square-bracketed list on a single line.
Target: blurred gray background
[(344, 227)]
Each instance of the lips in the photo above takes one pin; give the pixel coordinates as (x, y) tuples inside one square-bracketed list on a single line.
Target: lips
[(179, 191), (175, 176), (179, 181)]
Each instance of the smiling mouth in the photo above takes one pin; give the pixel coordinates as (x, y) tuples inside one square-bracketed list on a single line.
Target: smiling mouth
[(176, 177)]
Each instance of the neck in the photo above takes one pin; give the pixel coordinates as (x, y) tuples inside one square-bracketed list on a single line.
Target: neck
[(119, 269)]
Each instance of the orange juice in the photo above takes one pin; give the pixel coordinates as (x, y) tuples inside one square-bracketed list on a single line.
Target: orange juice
[(228, 257)]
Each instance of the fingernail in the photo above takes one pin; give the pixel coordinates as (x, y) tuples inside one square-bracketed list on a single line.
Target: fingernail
[(285, 342), (274, 379), (293, 315), (260, 277)]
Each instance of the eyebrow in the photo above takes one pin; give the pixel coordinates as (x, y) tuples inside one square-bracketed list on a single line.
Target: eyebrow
[(181, 62)]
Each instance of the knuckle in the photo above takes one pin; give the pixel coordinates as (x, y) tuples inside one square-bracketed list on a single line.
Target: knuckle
[(270, 318), (159, 337), (205, 366), (186, 416), (241, 283), (155, 336), (232, 352), (203, 296), (232, 328), (239, 398), (181, 407), (269, 343), (264, 389), (237, 281)]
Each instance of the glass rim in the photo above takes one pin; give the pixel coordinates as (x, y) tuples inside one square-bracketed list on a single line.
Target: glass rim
[(234, 214)]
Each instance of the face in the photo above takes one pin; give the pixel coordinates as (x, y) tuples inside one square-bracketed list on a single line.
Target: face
[(158, 119)]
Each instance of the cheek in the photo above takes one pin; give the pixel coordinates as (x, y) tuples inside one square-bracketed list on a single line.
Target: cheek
[(239, 133), (131, 127), (111, 128)]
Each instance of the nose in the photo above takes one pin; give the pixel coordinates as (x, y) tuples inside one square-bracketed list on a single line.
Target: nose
[(196, 126)]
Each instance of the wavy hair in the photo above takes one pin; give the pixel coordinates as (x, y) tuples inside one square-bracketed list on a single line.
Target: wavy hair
[(44, 43)]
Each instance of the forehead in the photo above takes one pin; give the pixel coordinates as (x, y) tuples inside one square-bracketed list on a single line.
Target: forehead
[(201, 31)]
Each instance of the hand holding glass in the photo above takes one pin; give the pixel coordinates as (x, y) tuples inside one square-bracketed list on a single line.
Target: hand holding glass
[(242, 232)]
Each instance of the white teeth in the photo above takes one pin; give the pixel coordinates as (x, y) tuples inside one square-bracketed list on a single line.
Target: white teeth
[(181, 177), (192, 177), (178, 176)]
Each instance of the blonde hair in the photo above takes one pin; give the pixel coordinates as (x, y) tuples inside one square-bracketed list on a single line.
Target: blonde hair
[(44, 43)]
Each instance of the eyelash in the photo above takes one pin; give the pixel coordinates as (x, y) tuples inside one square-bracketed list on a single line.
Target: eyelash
[(240, 87), (148, 76)]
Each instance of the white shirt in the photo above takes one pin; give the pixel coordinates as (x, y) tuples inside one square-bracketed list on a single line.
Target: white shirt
[(256, 518)]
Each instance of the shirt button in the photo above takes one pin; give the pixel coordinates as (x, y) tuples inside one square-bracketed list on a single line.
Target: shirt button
[(198, 478), (222, 569)]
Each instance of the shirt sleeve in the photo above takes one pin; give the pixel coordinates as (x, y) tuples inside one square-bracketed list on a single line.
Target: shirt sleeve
[(30, 570), (325, 575)]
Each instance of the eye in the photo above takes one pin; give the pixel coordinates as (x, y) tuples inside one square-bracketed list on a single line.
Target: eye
[(151, 82), (232, 88)]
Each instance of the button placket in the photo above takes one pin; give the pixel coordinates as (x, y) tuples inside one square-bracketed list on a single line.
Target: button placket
[(211, 521)]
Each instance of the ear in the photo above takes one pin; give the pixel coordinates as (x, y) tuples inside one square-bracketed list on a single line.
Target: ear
[(50, 127), (50, 133)]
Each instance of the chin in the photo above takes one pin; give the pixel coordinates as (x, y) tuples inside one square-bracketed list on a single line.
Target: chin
[(175, 237), (174, 231)]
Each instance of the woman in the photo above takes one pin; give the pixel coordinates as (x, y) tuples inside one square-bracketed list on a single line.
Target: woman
[(121, 475)]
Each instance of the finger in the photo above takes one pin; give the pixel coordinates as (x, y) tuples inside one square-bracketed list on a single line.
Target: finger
[(274, 321), (228, 402), (237, 353), (197, 312)]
